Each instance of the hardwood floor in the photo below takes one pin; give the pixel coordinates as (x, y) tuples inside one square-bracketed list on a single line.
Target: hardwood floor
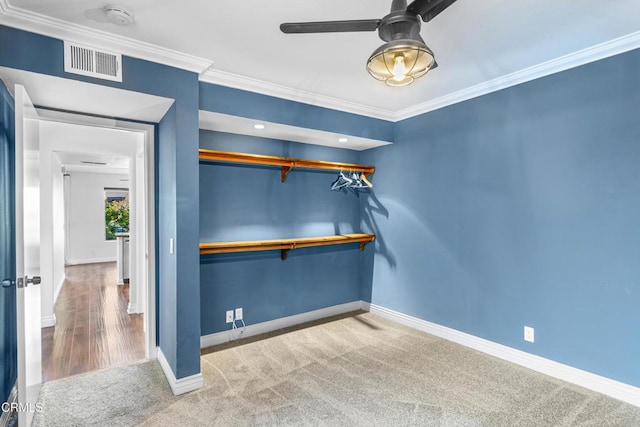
[(93, 329)]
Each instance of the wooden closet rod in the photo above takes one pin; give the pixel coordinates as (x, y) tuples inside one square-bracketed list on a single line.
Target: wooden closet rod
[(286, 163), (285, 245)]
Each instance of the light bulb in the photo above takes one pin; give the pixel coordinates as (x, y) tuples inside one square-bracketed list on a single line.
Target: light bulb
[(399, 70)]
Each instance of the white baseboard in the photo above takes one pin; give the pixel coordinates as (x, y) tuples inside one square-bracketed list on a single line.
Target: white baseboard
[(48, 321), (91, 260), (182, 385), (281, 323), (615, 389), (56, 292)]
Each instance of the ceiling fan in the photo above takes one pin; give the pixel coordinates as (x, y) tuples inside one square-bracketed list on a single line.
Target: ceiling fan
[(405, 56)]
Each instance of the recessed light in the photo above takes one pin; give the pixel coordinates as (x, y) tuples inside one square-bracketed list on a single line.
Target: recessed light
[(343, 139), (258, 126)]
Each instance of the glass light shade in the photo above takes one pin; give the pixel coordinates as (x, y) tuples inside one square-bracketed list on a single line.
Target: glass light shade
[(400, 62)]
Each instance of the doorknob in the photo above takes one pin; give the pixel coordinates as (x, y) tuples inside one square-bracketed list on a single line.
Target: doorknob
[(34, 280), (7, 283)]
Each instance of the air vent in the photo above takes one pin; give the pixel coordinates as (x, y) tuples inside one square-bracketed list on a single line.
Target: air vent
[(87, 61), (86, 162)]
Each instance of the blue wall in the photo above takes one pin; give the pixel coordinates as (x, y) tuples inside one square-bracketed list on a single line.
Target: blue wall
[(520, 208), (179, 275), (8, 319), (239, 202)]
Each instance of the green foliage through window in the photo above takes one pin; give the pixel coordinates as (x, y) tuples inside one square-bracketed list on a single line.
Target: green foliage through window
[(116, 215)]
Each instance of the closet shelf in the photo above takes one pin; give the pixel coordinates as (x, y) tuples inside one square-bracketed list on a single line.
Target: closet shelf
[(285, 245), (286, 163)]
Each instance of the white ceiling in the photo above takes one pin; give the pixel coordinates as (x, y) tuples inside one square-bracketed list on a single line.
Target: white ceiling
[(75, 143), (476, 43)]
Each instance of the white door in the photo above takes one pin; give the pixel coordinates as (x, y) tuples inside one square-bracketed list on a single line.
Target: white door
[(28, 255)]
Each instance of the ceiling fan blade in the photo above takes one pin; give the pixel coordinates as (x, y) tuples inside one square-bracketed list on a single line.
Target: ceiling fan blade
[(330, 26), (429, 9)]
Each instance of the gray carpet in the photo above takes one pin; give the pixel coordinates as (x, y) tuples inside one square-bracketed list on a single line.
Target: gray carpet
[(358, 370)]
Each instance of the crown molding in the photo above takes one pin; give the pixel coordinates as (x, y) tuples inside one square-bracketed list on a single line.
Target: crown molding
[(37, 23), (271, 89), (572, 60)]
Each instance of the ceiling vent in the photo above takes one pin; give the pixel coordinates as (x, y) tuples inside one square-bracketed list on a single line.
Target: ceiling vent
[(86, 162), (87, 61)]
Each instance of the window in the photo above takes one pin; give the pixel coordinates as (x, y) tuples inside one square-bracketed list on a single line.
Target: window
[(116, 212)]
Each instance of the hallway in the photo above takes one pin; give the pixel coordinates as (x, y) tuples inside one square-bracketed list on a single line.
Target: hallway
[(93, 329)]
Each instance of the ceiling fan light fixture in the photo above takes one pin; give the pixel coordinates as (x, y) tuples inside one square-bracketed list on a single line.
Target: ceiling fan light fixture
[(400, 62)]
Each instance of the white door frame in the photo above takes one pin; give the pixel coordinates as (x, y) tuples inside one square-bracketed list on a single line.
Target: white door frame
[(145, 256)]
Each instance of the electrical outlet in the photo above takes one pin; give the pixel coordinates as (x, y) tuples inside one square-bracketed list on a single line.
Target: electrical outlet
[(229, 316), (529, 334), (239, 313)]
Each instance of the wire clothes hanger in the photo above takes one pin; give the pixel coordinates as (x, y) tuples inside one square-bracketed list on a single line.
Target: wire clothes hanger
[(353, 181), (341, 182)]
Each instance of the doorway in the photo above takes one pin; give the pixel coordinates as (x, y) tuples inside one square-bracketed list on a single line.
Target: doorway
[(56, 95), (91, 320)]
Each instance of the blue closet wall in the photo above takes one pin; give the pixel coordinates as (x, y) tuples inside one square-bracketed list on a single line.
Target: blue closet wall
[(8, 319), (243, 202), (521, 207)]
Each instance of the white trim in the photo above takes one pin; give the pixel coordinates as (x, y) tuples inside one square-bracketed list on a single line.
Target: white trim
[(48, 321), (572, 60), (281, 323), (91, 260), (182, 385), (615, 389), (27, 20), (224, 78), (56, 291)]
